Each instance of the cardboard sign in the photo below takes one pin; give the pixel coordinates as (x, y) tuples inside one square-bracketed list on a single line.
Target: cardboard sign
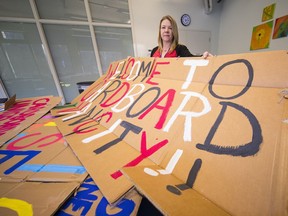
[(40, 153), (24, 113), (38, 170), (217, 126), (89, 201)]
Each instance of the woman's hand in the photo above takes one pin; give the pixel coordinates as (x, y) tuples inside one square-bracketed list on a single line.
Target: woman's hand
[(206, 54)]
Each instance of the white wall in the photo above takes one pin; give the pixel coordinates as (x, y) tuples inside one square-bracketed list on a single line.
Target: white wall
[(238, 17), (145, 17)]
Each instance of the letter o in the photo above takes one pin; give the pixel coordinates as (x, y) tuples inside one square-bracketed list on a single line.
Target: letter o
[(246, 87)]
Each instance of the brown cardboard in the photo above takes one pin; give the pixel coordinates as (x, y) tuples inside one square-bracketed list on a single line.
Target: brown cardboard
[(34, 198), (104, 172), (89, 201), (50, 156), (45, 180), (224, 114), (190, 203), (23, 113), (235, 171)]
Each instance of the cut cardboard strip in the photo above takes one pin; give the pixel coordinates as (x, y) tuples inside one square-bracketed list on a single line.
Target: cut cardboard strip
[(37, 167)]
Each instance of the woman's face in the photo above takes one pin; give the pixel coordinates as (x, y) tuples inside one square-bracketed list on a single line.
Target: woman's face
[(166, 31)]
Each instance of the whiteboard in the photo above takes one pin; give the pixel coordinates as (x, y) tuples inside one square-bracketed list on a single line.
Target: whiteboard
[(196, 41)]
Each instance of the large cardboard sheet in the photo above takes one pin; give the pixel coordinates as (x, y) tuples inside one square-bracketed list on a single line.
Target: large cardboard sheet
[(191, 202), (218, 125)]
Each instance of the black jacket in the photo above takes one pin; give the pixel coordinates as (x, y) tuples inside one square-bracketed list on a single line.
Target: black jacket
[(181, 50)]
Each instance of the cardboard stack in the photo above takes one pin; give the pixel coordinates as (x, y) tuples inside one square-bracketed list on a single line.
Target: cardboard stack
[(195, 136), (39, 171), (31, 148)]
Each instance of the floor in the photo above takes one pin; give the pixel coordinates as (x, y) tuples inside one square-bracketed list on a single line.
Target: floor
[(147, 209)]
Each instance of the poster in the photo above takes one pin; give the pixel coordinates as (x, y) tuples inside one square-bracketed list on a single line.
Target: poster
[(281, 27), (268, 12), (261, 34)]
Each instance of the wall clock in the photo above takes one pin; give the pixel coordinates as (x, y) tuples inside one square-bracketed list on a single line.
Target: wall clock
[(185, 20)]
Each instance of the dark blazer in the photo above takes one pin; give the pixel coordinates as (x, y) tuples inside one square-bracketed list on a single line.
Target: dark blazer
[(181, 50)]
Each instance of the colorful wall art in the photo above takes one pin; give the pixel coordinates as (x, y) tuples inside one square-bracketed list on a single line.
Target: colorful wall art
[(261, 36), (281, 27), (268, 12)]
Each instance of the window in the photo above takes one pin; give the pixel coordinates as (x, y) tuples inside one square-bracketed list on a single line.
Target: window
[(47, 47), (23, 65)]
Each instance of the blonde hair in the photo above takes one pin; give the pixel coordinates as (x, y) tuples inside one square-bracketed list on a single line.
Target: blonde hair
[(175, 39)]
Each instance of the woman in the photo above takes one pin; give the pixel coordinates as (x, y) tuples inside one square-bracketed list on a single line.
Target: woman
[(168, 41)]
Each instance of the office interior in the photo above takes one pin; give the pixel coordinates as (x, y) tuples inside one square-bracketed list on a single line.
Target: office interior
[(47, 51), (57, 47)]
